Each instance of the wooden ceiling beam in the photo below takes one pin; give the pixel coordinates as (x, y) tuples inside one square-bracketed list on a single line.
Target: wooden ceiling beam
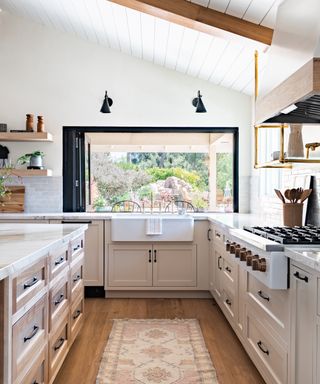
[(200, 18)]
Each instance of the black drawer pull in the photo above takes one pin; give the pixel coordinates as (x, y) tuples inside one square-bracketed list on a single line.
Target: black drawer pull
[(76, 248), (260, 293), (260, 345), (76, 222), (33, 333), (77, 314), (150, 260), (208, 234), (77, 278), (32, 282), (304, 278), (59, 344), (59, 300), (155, 256), (59, 261), (228, 302), (228, 269), (220, 257), (35, 382)]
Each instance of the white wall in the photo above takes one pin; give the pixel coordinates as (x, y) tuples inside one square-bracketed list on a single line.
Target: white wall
[(45, 72)]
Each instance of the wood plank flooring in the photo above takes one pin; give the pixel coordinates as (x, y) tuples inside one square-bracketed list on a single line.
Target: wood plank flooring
[(232, 364)]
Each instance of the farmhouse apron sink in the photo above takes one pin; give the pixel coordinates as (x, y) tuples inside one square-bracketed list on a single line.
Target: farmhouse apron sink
[(127, 227)]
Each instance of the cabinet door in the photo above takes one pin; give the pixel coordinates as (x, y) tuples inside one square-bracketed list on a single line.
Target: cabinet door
[(303, 291), (174, 265), (93, 250), (218, 273), (130, 265)]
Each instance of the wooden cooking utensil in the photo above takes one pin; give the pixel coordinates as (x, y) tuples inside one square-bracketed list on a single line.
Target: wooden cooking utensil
[(280, 195), (287, 194), (305, 194), (292, 195)]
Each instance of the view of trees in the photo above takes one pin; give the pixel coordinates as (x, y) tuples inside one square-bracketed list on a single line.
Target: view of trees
[(161, 177)]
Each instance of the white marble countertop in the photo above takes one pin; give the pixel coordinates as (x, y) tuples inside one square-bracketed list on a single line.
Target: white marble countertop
[(227, 220), (22, 244)]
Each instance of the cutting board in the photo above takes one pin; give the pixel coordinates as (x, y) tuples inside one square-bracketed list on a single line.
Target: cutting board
[(15, 201)]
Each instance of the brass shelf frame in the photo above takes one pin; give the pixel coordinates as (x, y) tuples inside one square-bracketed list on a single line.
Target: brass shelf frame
[(283, 161)]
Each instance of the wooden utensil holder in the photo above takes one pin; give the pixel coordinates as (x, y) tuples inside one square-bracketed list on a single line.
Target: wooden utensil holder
[(292, 214)]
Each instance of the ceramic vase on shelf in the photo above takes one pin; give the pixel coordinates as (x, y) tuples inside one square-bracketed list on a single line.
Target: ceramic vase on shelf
[(295, 143)]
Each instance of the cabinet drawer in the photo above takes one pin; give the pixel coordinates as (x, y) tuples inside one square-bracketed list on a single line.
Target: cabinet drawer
[(76, 317), (218, 238), (274, 302), (58, 348), (58, 300), (38, 373), (29, 337), (28, 284), (77, 246), (228, 304), (58, 261), (229, 272), (270, 355), (76, 278)]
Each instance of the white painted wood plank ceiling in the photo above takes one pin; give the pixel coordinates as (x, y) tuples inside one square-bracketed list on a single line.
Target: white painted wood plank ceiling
[(226, 63)]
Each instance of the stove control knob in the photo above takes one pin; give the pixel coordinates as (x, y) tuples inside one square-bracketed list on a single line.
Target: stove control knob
[(263, 265), (255, 264), (228, 244), (238, 251), (232, 248), (250, 258), (244, 254), (259, 264)]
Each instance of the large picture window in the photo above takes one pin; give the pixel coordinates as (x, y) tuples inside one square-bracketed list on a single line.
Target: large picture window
[(156, 171)]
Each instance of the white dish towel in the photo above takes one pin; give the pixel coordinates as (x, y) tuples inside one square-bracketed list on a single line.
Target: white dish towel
[(154, 226)]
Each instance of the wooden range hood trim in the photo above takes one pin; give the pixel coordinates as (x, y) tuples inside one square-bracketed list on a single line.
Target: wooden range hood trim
[(303, 83), (200, 18)]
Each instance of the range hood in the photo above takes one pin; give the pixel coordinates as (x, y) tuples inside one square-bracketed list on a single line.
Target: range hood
[(296, 100)]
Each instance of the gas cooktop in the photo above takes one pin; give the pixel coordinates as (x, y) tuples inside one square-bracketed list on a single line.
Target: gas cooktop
[(305, 235)]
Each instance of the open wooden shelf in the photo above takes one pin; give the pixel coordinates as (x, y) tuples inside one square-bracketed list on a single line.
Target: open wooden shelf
[(28, 172), (25, 136)]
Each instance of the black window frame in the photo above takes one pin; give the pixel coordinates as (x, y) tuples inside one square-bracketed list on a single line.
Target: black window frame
[(74, 199)]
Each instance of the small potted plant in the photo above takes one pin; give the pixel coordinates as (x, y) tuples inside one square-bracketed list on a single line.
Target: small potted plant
[(34, 159)]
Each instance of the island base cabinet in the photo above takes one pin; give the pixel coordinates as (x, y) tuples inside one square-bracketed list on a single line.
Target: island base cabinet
[(38, 372), (93, 250), (58, 348), (29, 335)]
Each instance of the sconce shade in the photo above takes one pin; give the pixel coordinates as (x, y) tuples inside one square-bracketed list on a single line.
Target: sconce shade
[(198, 103), (107, 102)]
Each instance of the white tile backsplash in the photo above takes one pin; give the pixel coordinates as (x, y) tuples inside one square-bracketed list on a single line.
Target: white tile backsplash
[(42, 194)]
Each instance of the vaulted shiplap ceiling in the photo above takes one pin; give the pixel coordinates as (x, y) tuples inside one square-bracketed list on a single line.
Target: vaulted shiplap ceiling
[(222, 62)]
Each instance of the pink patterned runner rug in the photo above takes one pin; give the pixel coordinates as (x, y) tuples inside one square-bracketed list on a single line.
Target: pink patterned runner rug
[(156, 352)]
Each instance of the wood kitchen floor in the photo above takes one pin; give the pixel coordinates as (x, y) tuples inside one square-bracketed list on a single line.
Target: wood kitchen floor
[(232, 364)]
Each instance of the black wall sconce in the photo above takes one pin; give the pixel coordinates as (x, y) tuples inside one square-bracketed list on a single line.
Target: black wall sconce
[(198, 104), (107, 102)]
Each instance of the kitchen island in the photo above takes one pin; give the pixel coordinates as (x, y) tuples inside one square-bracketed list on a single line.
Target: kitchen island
[(41, 294)]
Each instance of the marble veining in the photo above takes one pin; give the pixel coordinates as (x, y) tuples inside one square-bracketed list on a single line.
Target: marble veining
[(22, 244)]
